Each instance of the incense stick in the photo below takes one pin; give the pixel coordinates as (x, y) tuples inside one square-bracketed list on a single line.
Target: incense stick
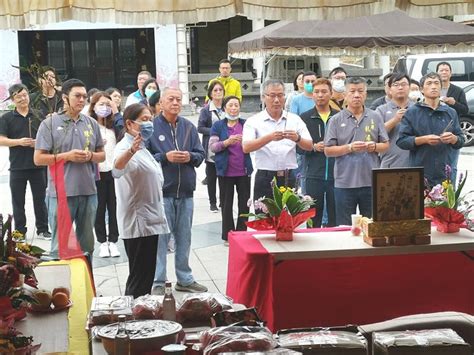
[(450, 123)]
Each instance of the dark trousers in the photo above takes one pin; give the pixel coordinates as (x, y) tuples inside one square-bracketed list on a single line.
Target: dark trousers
[(226, 188), (347, 201), (141, 253), (211, 175), (320, 190), (18, 181), (263, 179), (106, 201)]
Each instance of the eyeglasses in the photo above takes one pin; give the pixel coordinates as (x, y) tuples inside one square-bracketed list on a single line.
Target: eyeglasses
[(275, 96), (401, 85)]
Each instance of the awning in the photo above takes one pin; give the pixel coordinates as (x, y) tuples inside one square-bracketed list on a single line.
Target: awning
[(21, 14), (392, 33)]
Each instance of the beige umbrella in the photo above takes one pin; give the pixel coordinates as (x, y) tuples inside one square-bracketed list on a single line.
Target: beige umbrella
[(20, 14), (391, 33)]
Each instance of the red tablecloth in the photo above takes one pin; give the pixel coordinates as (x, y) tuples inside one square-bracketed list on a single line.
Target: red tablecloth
[(339, 291)]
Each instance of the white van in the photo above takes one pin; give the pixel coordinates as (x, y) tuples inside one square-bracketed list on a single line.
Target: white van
[(462, 65)]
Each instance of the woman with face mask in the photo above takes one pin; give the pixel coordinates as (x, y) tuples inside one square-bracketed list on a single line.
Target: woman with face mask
[(116, 96), (148, 89), (298, 88), (415, 94), (101, 110), (140, 209), (233, 166)]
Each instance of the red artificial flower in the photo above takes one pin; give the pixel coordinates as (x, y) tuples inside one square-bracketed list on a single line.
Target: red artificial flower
[(261, 224), (446, 219), (284, 221)]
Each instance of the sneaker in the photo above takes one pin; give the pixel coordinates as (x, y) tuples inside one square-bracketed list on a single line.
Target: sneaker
[(104, 251), (44, 235), (214, 208), (158, 290), (194, 288), (114, 252), (204, 182)]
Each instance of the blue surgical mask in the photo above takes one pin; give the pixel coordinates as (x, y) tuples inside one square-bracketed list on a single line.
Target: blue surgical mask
[(146, 130), (308, 87), (149, 92)]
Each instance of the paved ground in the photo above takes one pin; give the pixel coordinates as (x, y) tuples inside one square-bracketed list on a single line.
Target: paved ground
[(208, 257)]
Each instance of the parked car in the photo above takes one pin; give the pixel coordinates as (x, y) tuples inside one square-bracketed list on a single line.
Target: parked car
[(417, 65), (467, 120)]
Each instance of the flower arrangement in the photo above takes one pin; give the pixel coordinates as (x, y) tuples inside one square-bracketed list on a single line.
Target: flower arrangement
[(13, 342), (286, 211), (17, 263), (446, 207)]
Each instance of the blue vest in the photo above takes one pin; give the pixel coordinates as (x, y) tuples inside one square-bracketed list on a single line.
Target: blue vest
[(221, 158)]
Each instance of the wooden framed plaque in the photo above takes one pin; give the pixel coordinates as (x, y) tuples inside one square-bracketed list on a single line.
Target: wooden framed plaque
[(397, 194)]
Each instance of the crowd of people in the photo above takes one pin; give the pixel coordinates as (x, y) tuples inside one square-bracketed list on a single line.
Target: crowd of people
[(131, 173)]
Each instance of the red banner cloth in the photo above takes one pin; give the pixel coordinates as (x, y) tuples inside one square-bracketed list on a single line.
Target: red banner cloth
[(68, 246), (340, 291)]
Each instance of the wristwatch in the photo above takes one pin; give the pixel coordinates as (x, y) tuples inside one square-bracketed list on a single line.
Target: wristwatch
[(298, 139)]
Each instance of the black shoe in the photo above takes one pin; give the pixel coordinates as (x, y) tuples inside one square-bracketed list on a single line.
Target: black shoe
[(44, 235), (214, 208), (204, 182)]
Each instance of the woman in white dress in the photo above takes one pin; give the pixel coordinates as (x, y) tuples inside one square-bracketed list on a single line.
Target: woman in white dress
[(101, 110)]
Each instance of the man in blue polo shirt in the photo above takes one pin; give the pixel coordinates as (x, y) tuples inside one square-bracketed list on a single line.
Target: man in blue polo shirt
[(355, 137)]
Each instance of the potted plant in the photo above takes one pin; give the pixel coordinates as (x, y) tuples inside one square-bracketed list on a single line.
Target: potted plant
[(282, 213)]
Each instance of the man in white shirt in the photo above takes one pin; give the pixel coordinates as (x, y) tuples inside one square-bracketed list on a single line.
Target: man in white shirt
[(273, 135), (136, 96)]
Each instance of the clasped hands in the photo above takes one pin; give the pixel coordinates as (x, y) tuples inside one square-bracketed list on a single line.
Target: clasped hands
[(361, 147), (79, 156), (233, 139), (287, 134), (178, 156), (445, 138)]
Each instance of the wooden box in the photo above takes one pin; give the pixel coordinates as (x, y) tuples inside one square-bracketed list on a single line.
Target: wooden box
[(406, 228)]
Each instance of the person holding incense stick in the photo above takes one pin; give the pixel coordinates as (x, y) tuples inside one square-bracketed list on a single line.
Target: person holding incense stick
[(430, 130)]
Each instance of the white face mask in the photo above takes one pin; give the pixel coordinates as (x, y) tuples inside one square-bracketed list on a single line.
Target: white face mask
[(338, 85), (415, 96), (102, 110), (230, 117)]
